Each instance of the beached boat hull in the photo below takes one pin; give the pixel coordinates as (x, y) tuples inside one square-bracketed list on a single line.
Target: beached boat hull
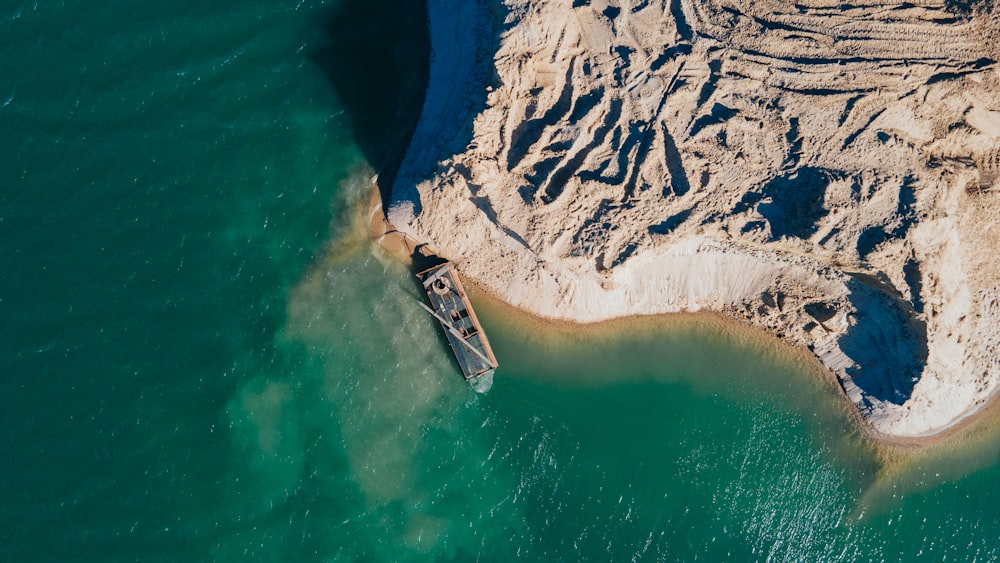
[(451, 307)]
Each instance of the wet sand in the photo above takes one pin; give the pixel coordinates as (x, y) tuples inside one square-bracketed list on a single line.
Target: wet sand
[(982, 426)]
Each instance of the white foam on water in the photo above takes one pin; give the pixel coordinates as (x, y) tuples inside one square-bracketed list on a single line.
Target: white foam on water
[(483, 383)]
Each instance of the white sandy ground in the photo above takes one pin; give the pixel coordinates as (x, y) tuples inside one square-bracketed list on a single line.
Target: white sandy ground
[(827, 172)]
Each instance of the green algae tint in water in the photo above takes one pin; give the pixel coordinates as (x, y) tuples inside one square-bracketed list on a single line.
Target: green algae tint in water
[(194, 368), (680, 442), (166, 177)]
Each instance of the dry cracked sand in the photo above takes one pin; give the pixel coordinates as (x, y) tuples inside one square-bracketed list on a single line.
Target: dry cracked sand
[(828, 172)]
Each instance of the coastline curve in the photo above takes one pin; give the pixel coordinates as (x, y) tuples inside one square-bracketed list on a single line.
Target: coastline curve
[(553, 163)]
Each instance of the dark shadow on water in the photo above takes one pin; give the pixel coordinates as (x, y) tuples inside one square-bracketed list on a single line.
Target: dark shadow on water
[(375, 55)]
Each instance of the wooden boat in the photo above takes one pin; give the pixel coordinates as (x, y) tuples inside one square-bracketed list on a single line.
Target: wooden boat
[(450, 306)]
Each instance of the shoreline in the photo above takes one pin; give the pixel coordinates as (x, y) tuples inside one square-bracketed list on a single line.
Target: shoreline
[(399, 246), (396, 245), (907, 337)]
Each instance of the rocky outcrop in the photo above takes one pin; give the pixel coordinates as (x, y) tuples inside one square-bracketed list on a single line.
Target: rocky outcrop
[(826, 172)]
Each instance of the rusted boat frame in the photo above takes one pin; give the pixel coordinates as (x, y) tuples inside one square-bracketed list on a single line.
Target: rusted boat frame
[(451, 307)]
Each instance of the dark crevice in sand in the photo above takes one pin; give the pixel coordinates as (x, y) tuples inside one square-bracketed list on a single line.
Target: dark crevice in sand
[(888, 339)]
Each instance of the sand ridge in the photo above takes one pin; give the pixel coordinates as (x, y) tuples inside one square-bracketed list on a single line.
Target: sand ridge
[(829, 173)]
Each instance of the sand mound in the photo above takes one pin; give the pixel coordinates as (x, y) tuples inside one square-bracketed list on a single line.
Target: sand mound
[(828, 172)]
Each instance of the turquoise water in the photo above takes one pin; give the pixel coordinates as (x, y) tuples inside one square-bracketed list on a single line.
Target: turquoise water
[(202, 361)]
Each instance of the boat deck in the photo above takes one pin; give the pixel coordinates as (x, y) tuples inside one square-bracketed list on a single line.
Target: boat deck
[(451, 307)]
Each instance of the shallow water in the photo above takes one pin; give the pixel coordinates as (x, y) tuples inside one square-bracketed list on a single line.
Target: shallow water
[(202, 359)]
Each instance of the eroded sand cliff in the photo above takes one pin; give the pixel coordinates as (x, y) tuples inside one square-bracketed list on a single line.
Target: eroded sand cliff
[(828, 172)]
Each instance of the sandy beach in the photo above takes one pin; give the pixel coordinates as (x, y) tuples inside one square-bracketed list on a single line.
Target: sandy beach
[(828, 176)]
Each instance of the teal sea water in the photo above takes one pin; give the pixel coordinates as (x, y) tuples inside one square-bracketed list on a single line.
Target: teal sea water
[(200, 359)]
